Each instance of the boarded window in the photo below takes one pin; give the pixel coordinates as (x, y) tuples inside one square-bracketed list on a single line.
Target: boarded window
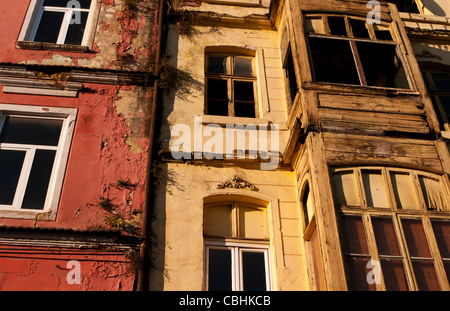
[(237, 220), (375, 189), (252, 223), (345, 188), (432, 194), (404, 192), (219, 221)]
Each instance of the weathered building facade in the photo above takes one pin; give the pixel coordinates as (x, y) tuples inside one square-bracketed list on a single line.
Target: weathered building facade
[(304, 147), (77, 99)]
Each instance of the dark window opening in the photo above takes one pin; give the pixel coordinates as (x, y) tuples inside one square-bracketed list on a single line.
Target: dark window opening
[(219, 270), (337, 25), (289, 71), (217, 97), (333, 61), (359, 28), (253, 271), (244, 104), (381, 65), (230, 86), (49, 27), (408, 6), (305, 199), (11, 162)]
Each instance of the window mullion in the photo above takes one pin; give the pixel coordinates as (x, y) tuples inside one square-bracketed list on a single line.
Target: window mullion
[(373, 251), (64, 27), (434, 249), (237, 269), (23, 179), (359, 67), (230, 97)]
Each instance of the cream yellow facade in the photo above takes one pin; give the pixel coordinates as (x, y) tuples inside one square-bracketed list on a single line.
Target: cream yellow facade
[(344, 151)]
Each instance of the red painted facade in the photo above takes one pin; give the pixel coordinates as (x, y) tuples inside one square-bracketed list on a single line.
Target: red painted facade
[(102, 205)]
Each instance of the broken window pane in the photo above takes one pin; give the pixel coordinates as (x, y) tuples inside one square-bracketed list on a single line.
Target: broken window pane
[(375, 190), (408, 6), (404, 191), (359, 28), (432, 194), (217, 97), (333, 61), (345, 189), (218, 64), (242, 66), (33, 131), (39, 179), (49, 26), (381, 65), (445, 102), (337, 25), (314, 25), (441, 81), (75, 31), (11, 162), (382, 32)]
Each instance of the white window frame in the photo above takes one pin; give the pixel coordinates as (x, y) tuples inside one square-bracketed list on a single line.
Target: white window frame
[(68, 116), (236, 248), (34, 15)]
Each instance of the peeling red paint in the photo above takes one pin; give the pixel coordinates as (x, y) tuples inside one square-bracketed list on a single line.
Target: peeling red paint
[(109, 144)]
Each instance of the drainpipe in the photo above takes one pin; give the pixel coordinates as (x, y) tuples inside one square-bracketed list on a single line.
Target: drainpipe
[(143, 272)]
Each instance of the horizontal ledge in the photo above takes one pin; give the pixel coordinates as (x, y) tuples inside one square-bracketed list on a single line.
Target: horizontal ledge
[(31, 45)]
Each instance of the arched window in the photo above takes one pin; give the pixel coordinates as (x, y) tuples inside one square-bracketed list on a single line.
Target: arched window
[(395, 223), (236, 246)]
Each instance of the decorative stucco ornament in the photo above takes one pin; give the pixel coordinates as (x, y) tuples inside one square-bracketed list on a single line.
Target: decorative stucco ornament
[(237, 183)]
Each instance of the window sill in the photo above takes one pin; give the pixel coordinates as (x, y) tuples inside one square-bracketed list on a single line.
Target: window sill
[(252, 3), (31, 45), (357, 89), (27, 214), (224, 120)]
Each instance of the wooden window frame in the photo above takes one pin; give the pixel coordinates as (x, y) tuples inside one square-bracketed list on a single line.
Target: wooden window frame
[(396, 216), (231, 78), (385, 172), (68, 116), (435, 96), (355, 53)]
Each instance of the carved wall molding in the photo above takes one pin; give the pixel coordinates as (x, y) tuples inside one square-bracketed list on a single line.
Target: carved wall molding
[(237, 183)]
